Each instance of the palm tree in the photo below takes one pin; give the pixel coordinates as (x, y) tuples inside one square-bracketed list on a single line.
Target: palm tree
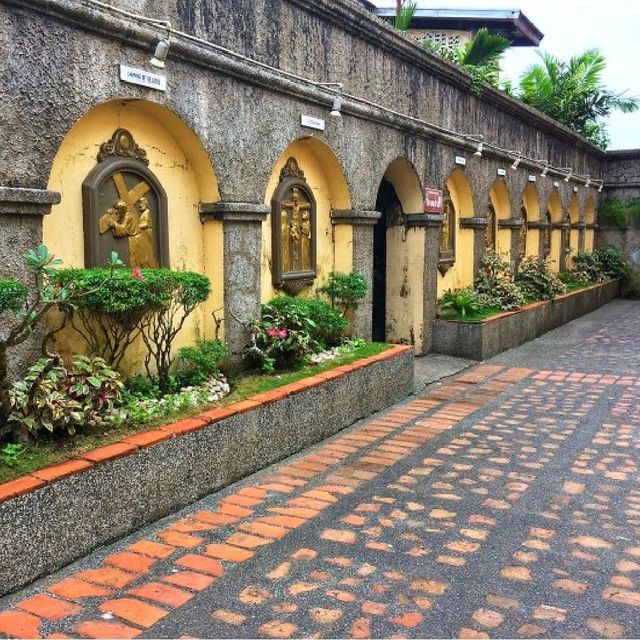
[(573, 93), (480, 57), (404, 14)]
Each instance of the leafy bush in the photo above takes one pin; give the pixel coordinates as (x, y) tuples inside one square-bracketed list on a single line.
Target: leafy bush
[(53, 398), (325, 325), (152, 303), (602, 264), (345, 290), (462, 301), (199, 363), (613, 213), (30, 307), (495, 283), (536, 281), (181, 293), (13, 295), (10, 453), (574, 278)]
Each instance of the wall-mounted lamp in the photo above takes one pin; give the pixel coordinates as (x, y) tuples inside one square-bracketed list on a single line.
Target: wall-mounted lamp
[(479, 149), (162, 51), (587, 184), (336, 108), (516, 162), (601, 187), (568, 176), (545, 170)]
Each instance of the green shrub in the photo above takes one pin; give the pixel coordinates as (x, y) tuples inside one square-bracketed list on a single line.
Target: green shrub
[(613, 264), (495, 283), (151, 303), (345, 290), (613, 213), (54, 398), (536, 281), (199, 363), (574, 278), (326, 326), (463, 301), (13, 295)]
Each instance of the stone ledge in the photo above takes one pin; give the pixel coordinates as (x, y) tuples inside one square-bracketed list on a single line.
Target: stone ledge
[(512, 223), (114, 490), (34, 202), (473, 223), (487, 338), (354, 217), (249, 212), (434, 220)]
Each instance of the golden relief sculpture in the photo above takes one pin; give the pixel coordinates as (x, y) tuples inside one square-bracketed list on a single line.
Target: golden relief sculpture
[(448, 224), (547, 235), (131, 218), (523, 232), (490, 231), (295, 223)]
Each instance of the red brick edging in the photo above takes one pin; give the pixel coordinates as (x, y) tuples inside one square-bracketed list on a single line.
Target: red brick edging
[(131, 444)]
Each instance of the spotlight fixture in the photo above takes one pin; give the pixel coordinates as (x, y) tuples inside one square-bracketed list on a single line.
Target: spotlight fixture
[(336, 108), (601, 187), (161, 53), (568, 176), (545, 170), (587, 184), (516, 162), (479, 150)]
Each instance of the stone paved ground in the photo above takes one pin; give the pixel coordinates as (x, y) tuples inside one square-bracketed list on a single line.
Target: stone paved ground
[(502, 503)]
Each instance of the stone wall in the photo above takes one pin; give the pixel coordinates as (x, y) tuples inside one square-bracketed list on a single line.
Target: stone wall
[(246, 112), (622, 182)]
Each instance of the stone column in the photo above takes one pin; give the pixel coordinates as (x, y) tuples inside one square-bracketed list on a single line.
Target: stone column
[(565, 230), (479, 226), (582, 233), (363, 223), (21, 214), (242, 231), (432, 224), (541, 226), (515, 224)]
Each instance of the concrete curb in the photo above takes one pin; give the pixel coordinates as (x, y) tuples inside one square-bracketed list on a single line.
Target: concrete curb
[(56, 515)]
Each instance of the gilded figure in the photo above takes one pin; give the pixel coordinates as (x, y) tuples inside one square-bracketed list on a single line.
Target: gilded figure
[(296, 233)]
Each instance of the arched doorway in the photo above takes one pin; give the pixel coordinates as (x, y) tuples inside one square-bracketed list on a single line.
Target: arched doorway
[(399, 194), (499, 200), (531, 211), (590, 220)]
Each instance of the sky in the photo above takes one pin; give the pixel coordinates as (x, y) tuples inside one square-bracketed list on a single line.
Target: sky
[(570, 27)]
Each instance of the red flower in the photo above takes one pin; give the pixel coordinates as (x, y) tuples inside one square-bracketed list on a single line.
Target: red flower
[(137, 273)]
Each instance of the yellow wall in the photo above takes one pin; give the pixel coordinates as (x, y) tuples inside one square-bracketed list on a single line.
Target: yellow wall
[(555, 207), (182, 166), (574, 239), (500, 198), (532, 205), (405, 268), (461, 273), (590, 218), (334, 248)]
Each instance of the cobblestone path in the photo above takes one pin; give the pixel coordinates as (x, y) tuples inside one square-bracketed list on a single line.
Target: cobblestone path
[(502, 503)]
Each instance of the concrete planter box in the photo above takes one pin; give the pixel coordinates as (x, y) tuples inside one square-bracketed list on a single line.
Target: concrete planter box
[(485, 339), (57, 515)]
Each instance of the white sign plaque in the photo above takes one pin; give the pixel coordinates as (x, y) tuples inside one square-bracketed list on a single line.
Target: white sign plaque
[(143, 78), (461, 161), (502, 172), (312, 123), (532, 178)]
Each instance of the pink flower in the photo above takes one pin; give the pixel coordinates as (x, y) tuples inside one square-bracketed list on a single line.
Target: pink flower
[(282, 334), (137, 273), (272, 333)]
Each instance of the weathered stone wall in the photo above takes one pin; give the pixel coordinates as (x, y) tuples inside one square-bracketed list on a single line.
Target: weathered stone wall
[(622, 182), (247, 114)]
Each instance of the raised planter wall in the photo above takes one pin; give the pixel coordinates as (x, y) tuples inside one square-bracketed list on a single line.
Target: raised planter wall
[(57, 515), (485, 339)]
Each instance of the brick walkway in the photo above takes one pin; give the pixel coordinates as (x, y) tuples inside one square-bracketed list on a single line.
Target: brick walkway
[(504, 503)]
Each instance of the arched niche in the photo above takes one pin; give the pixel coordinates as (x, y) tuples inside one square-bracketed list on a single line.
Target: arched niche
[(321, 187), (456, 259), (180, 172), (499, 199), (531, 209), (590, 220), (572, 235), (556, 217)]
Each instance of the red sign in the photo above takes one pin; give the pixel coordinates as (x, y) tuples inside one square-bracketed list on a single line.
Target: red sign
[(433, 201)]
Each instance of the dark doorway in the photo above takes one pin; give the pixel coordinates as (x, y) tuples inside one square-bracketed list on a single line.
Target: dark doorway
[(389, 205)]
